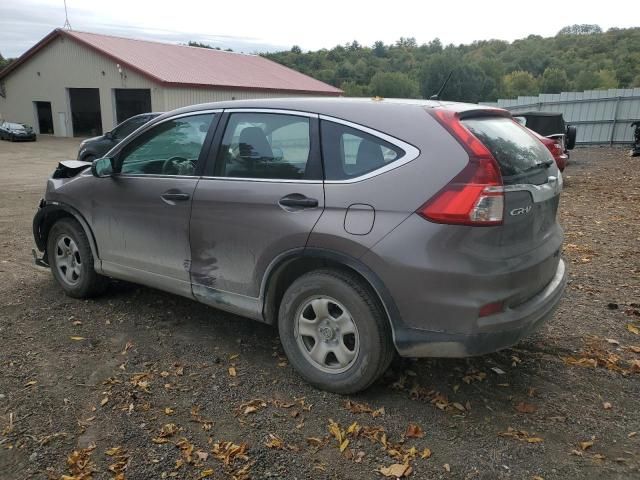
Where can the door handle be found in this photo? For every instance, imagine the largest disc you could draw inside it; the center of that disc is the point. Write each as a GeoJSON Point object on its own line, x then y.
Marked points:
{"type": "Point", "coordinates": [175, 196]}
{"type": "Point", "coordinates": [297, 200]}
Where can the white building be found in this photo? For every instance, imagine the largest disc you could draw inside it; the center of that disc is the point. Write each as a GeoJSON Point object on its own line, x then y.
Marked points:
{"type": "Point", "coordinates": [82, 84]}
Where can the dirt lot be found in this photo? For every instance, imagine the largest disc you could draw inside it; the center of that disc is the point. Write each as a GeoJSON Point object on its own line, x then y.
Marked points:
{"type": "Point", "coordinates": [146, 385]}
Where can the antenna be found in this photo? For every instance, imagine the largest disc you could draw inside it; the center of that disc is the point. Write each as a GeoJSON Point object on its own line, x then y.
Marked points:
{"type": "Point", "coordinates": [66, 25]}
{"type": "Point", "coordinates": [437, 95]}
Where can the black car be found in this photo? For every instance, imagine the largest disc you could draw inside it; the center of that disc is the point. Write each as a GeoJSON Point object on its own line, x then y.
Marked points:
{"type": "Point", "coordinates": [96, 147]}
{"type": "Point", "coordinates": [16, 131]}
{"type": "Point", "coordinates": [551, 125]}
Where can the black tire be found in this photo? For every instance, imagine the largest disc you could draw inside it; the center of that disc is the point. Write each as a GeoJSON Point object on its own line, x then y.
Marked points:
{"type": "Point", "coordinates": [571, 137]}
{"type": "Point", "coordinates": [376, 349]}
{"type": "Point", "coordinates": [88, 283]}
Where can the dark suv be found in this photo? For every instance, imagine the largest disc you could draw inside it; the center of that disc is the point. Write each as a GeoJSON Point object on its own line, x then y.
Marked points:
{"type": "Point", "coordinates": [96, 147]}
{"type": "Point", "coordinates": [361, 228]}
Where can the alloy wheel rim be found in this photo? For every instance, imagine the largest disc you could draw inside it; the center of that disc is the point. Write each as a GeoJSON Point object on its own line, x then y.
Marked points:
{"type": "Point", "coordinates": [327, 335]}
{"type": "Point", "coordinates": [67, 260]}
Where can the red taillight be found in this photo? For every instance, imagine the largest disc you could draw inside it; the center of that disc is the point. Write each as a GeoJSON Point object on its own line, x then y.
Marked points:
{"type": "Point", "coordinates": [491, 309]}
{"type": "Point", "coordinates": [474, 196]}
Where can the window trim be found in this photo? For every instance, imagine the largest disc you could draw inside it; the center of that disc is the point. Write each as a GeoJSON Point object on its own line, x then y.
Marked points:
{"type": "Point", "coordinates": [314, 148]}
{"type": "Point", "coordinates": [204, 152]}
{"type": "Point", "coordinates": [410, 152]}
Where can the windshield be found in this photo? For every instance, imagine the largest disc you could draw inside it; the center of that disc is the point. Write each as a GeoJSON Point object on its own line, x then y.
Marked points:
{"type": "Point", "coordinates": [15, 126]}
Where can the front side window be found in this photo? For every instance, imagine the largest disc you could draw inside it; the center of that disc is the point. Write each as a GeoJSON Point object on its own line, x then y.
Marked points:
{"type": "Point", "coordinates": [349, 153]}
{"type": "Point", "coordinates": [265, 145]}
{"type": "Point", "coordinates": [170, 148]}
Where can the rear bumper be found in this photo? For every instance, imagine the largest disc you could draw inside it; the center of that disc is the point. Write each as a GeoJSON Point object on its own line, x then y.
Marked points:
{"type": "Point", "coordinates": [518, 323]}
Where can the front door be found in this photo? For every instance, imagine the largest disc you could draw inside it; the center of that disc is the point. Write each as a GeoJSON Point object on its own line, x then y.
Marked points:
{"type": "Point", "coordinates": [141, 215]}
{"type": "Point", "coordinates": [261, 199]}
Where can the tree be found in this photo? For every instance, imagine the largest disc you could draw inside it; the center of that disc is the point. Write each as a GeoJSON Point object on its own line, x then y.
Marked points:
{"type": "Point", "coordinates": [5, 61]}
{"type": "Point", "coordinates": [606, 79]}
{"type": "Point", "coordinates": [199, 44]}
{"type": "Point", "coordinates": [580, 29]}
{"type": "Point", "coordinates": [554, 80]}
{"type": "Point", "coordinates": [296, 49]}
{"type": "Point", "coordinates": [352, 89]}
{"type": "Point", "coordinates": [379, 49]}
{"type": "Point", "coordinates": [586, 80]}
{"type": "Point", "coordinates": [393, 85]}
{"type": "Point", "coordinates": [520, 83]}
{"type": "Point", "coordinates": [483, 70]}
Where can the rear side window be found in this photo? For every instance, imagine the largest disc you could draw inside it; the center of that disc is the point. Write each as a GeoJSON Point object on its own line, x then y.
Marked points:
{"type": "Point", "coordinates": [516, 151]}
{"type": "Point", "coordinates": [349, 153]}
{"type": "Point", "coordinates": [265, 145]}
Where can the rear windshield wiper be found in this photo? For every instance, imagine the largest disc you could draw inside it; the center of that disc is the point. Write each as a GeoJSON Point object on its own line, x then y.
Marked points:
{"type": "Point", "coordinates": [538, 165]}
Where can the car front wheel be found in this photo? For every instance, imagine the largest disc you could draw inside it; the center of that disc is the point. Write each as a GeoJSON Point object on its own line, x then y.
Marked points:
{"type": "Point", "coordinates": [71, 260]}
{"type": "Point", "coordinates": [334, 331]}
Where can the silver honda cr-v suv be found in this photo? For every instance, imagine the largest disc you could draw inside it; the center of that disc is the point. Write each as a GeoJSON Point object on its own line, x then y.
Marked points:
{"type": "Point", "coordinates": [360, 227]}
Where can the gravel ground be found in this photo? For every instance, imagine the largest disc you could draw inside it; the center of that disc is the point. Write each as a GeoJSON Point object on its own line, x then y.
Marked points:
{"type": "Point", "coordinates": [146, 385]}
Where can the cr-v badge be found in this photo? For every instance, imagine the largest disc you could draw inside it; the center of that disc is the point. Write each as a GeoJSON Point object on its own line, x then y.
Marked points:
{"type": "Point", "coordinates": [520, 211]}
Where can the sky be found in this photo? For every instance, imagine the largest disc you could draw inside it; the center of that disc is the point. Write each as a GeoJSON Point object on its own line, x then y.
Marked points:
{"type": "Point", "coordinates": [257, 25]}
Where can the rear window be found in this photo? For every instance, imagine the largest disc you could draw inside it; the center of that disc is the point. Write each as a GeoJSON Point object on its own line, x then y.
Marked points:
{"type": "Point", "coordinates": [517, 152]}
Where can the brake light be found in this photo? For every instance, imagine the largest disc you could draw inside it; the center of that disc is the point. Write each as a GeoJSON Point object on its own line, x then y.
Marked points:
{"type": "Point", "coordinates": [491, 309]}
{"type": "Point", "coordinates": [475, 195]}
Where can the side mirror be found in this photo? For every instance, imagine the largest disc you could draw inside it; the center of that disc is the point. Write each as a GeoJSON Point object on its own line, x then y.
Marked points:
{"type": "Point", "coordinates": [102, 167]}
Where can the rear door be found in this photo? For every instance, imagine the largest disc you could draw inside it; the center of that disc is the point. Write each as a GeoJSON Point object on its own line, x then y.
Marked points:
{"type": "Point", "coordinates": [260, 197]}
{"type": "Point", "coordinates": [532, 184]}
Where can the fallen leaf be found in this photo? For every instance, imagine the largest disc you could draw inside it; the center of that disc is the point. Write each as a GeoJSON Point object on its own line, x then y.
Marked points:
{"type": "Point", "coordinates": [169, 411]}
{"type": "Point", "coordinates": [633, 328]}
{"type": "Point", "coordinates": [127, 347]}
{"type": "Point", "coordinates": [76, 338]}
{"type": "Point", "coordinates": [414, 431]}
{"type": "Point", "coordinates": [612, 341]}
{"type": "Point", "coordinates": [497, 370]}
{"type": "Point", "coordinates": [607, 405]}
{"type": "Point", "coordinates": [206, 473]}
{"type": "Point", "coordinates": [426, 453]}
{"type": "Point", "coordinates": [634, 348]}
{"type": "Point", "coordinates": [274, 442]}
{"type": "Point", "coordinates": [104, 401]}
{"type": "Point", "coordinates": [113, 451]}
{"type": "Point", "coordinates": [315, 441]}
{"type": "Point", "coordinates": [232, 371]}
{"type": "Point", "coordinates": [32, 382]}
{"type": "Point", "coordinates": [632, 434]}
{"type": "Point", "coordinates": [524, 407]}
{"type": "Point", "coordinates": [344, 445]}
{"type": "Point", "coordinates": [458, 406]}
{"type": "Point", "coordinates": [585, 445]}
{"type": "Point", "coordinates": [397, 470]}
{"type": "Point", "coordinates": [447, 467]}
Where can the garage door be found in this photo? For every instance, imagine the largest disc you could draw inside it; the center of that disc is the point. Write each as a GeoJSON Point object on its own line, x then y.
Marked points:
{"type": "Point", "coordinates": [131, 101]}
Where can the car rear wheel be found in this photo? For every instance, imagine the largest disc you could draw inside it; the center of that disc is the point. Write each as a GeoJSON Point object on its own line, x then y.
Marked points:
{"type": "Point", "coordinates": [334, 331]}
{"type": "Point", "coordinates": [71, 260]}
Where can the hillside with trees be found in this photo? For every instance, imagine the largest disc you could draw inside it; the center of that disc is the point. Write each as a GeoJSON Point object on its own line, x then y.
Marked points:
{"type": "Point", "coordinates": [579, 57]}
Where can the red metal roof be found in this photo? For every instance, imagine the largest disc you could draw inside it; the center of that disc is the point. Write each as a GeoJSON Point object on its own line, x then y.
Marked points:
{"type": "Point", "coordinates": [183, 66]}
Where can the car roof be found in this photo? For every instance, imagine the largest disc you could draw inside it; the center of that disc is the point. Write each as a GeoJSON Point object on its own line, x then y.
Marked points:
{"type": "Point", "coordinates": [393, 116]}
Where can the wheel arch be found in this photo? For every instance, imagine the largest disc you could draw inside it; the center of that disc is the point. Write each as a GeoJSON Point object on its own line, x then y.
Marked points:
{"type": "Point", "coordinates": [290, 265]}
{"type": "Point", "coordinates": [48, 215]}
